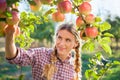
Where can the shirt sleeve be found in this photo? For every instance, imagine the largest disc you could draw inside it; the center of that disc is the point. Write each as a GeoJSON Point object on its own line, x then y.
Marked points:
{"type": "Point", "coordinates": [27, 57]}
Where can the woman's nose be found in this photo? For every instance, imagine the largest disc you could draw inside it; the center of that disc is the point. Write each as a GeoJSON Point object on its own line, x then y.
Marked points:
{"type": "Point", "coordinates": [62, 42]}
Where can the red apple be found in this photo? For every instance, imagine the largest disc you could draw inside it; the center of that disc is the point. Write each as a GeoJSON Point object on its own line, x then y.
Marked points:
{"type": "Point", "coordinates": [14, 19]}
{"type": "Point", "coordinates": [35, 7]}
{"type": "Point", "coordinates": [79, 22]}
{"type": "Point", "coordinates": [58, 16]}
{"type": "Point", "coordinates": [3, 6]}
{"type": "Point", "coordinates": [90, 18]}
{"type": "Point", "coordinates": [65, 6]}
{"type": "Point", "coordinates": [46, 1]}
{"type": "Point", "coordinates": [85, 8]}
{"type": "Point", "coordinates": [91, 32]}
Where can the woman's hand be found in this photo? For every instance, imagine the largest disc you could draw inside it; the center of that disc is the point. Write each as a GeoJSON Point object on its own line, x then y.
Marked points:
{"type": "Point", "coordinates": [12, 30]}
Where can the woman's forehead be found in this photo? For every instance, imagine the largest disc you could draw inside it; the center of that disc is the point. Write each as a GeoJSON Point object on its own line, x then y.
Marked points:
{"type": "Point", "coordinates": [65, 34]}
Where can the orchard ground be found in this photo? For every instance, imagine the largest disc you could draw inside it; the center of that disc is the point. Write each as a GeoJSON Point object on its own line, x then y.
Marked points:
{"type": "Point", "coordinates": [13, 72]}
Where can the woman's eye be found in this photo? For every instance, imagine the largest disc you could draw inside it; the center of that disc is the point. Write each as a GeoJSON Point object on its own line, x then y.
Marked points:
{"type": "Point", "coordinates": [59, 38]}
{"type": "Point", "coordinates": [68, 40]}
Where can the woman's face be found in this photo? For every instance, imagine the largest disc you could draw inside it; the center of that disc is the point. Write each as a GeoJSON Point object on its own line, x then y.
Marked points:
{"type": "Point", "coordinates": [65, 41]}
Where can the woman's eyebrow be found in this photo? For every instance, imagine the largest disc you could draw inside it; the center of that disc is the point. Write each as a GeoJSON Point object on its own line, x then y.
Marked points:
{"type": "Point", "coordinates": [59, 36]}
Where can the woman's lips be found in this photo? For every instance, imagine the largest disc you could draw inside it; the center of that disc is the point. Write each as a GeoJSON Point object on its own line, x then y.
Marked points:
{"type": "Point", "coordinates": [61, 48]}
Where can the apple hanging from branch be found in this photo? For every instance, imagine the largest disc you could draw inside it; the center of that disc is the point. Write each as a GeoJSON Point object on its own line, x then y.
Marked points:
{"type": "Point", "coordinates": [3, 6]}
{"type": "Point", "coordinates": [58, 16]}
{"type": "Point", "coordinates": [79, 22]}
{"type": "Point", "coordinates": [91, 32]}
{"type": "Point", "coordinates": [14, 19]}
{"type": "Point", "coordinates": [65, 6]}
{"type": "Point", "coordinates": [35, 5]}
{"type": "Point", "coordinates": [90, 18]}
{"type": "Point", "coordinates": [85, 8]}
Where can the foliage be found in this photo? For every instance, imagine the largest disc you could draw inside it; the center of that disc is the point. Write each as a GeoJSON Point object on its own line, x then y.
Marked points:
{"type": "Point", "coordinates": [27, 25]}
{"type": "Point", "coordinates": [115, 30]}
{"type": "Point", "coordinates": [44, 31]}
{"type": "Point", "coordinates": [115, 74]}
{"type": "Point", "coordinates": [115, 23]}
{"type": "Point", "coordinates": [99, 66]}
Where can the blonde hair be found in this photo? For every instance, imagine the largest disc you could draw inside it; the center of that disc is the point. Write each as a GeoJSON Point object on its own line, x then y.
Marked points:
{"type": "Point", "coordinates": [50, 69]}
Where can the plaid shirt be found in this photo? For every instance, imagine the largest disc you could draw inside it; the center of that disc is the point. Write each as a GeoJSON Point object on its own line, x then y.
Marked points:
{"type": "Point", "coordinates": [38, 57]}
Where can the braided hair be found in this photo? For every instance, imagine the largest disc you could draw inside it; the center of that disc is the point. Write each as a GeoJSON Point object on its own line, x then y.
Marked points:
{"type": "Point", "coordinates": [50, 69]}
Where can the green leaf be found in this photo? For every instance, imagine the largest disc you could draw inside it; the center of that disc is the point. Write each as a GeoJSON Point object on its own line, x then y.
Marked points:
{"type": "Point", "coordinates": [104, 26]}
{"type": "Point", "coordinates": [116, 62]}
{"type": "Point", "coordinates": [8, 14]}
{"type": "Point", "coordinates": [98, 19]}
{"type": "Point", "coordinates": [107, 48]}
{"type": "Point", "coordinates": [105, 40]}
{"type": "Point", "coordinates": [50, 11]}
{"type": "Point", "coordinates": [31, 2]}
{"type": "Point", "coordinates": [98, 55]}
{"type": "Point", "coordinates": [10, 2]}
{"type": "Point", "coordinates": [77, 2]}
{"type": "Point", "coordinates": [88, 73]}
{"type": "Point", "coordinates": [108, 35]}
{"type": "Point", "coordinates": [88, 46]}
{"type": "Point", "coordinates": [21, 77]}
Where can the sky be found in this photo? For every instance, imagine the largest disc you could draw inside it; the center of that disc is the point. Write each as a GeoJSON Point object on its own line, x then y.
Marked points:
{"type": "Point", "coordinates": [103, 7]}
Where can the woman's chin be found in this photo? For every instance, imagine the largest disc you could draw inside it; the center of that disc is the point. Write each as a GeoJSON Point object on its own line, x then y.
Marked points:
{"type": "Point", "coordinates": [61, 52]}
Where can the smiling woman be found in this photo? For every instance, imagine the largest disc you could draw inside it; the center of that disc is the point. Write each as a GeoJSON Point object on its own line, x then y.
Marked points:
{"type": "Point", "coordinates": [49, 63]}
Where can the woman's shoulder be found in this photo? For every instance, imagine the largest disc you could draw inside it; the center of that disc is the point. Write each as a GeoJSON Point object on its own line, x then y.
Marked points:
{"type": "Point", "coordinates": [43, 50]}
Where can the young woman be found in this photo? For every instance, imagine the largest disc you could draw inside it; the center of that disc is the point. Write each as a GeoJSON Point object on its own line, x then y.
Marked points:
{"type": "Point", "coordinates": [49, 63]}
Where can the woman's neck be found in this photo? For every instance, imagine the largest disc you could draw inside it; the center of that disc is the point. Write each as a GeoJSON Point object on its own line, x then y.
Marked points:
{"type": "Point", "coordinates": [62, 57]}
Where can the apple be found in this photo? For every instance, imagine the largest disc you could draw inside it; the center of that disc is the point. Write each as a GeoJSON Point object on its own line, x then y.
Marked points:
{"type": "Point", "coordinates": [3, 6]}
{"type": "Point", "coordinates": [65, 6]}
{"type": "Point", "coordinates": [14, 19]}
{"type": "Point", "coordinates": [90, 18]}
{"type": "Point", "coordinates": [58, 16]}
{"type": "Point", "coordinates": [36, 6]}
{"type": "Point", "coordinates": [79, 22]}
{"type": "Point", "coordinates": [46, 1]}
{"type": "Point", "coordinates": [85, 8]}
{"type": "Point", "coordinates": [91, 32]}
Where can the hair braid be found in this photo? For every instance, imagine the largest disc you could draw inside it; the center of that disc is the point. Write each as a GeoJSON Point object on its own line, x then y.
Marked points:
{"type": "Point", "coordinates": [50, 69]}
{"type": "Point", "coordinates": [77, 62]}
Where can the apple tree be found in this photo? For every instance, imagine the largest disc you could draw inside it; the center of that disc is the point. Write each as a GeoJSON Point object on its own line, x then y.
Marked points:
{"type": "Point", "coordinates": [93, 31]}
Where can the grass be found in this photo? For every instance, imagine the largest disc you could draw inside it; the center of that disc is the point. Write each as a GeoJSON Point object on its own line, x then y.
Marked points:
{"type": "Point", "coordinates": [10, 71]}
